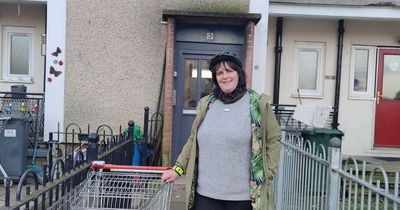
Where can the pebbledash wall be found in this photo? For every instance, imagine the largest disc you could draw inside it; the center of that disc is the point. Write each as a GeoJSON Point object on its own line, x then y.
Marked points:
{"type": "Point", "coordinates": [115, 54]}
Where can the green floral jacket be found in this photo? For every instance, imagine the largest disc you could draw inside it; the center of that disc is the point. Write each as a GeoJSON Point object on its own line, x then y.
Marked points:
{"type": "Point", "coordinates": [266, 146]}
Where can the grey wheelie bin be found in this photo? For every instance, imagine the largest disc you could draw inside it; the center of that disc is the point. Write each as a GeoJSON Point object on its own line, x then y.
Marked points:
{"type": "Point", "coordinates": [13, 145]}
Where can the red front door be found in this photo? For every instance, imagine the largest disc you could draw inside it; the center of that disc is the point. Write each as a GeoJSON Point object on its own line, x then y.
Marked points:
{"type": "Point", "coordinates": [387, 118]}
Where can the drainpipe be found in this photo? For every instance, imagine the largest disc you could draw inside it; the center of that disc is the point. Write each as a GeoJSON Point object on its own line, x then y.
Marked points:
{"type": "Point", "coordinates": [278, 55]}
{"type": "Point", "coordinates": [338, 72]}
{"type": "Point", "coordinates": [44, 57]}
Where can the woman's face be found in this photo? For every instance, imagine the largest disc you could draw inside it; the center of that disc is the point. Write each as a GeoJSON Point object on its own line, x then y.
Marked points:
{"type": "Point", "coordinates": [227, 78]}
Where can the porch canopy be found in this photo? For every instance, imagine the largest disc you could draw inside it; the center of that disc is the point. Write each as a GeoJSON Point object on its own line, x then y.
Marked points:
{"type": "Point", "coordinates": [211, 17]}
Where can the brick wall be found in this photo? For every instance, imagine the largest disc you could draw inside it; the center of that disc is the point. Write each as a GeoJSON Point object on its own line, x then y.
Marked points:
{"type": "Point", "coordinates": [168, 92]}
{"type": "Point", "coordinates": [248, 67]}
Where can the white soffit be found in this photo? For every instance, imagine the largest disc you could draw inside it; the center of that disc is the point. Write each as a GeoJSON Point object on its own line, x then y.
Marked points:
{"type": "Point", "coordinates": [23, 1]}
{"type": "Point", "coordinates": [334, 11]}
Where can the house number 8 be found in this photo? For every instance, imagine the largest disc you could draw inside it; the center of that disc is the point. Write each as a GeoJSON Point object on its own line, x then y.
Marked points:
{"type": "Point", "coordinates": [210, 36]}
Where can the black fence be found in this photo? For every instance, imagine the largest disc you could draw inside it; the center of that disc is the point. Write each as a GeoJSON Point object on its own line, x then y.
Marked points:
{"type": "Point", "coordinates": [28, 106]}
{"type": "Point", "coordinates": [70, 153]}
{"type": "Point", "coordinates": [70, 164]}
{"type": "Point", "coordinates": [152, 138]}
{"type": "Point", "coordinates": [284, 113]}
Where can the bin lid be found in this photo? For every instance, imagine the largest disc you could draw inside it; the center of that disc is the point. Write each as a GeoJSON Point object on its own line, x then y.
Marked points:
{"type": "Point", "coordinates": [316, 131]}
{"type": "Point", "coordinates": [14, 117]}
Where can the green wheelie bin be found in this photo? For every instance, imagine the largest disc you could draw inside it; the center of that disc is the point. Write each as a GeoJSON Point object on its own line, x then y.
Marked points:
{"type": "Point", "coordinates": [321, 135]}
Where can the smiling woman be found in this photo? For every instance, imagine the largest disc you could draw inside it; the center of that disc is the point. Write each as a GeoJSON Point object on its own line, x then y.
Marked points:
{"type": "Point", "coordinates": [240, 123]}
{"type": "Point", "coordinates": [227, 78]}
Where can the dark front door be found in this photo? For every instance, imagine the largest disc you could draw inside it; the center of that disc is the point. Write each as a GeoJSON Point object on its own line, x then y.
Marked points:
{"type": "Point", "coordinates": [193, 81]}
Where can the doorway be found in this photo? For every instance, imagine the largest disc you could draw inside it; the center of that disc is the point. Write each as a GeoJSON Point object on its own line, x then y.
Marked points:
{"type": "Point", "coordinates": [192, 81]}
{"type": "Point", "coordinates": [387, 114]}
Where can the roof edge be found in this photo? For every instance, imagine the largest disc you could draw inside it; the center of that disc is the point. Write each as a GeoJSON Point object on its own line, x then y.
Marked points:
{"type": "Point", "coordinates": [383, 4]}
{"type": "Point", "coordinates": [214, 15]}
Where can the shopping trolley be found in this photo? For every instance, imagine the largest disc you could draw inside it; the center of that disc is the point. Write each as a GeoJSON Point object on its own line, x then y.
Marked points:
{"type": "Point", "coordinates": [121, 187]}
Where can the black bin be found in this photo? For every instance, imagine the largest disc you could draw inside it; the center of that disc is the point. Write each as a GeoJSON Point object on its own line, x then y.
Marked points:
{"type": "Point", "coordinates": [18, 91]}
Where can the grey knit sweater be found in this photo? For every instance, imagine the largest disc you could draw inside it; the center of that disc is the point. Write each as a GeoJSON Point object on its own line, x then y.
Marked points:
{"type": "Point", "coordinates": [224, 140]}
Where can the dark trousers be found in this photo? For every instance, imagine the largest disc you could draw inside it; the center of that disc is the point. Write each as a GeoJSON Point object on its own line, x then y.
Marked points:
{"type": "Point", "coordinates": [205, 203]}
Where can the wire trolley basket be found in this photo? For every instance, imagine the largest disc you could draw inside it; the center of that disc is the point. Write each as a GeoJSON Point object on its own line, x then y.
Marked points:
{"type": "Point", "coordinates": [123, 187]}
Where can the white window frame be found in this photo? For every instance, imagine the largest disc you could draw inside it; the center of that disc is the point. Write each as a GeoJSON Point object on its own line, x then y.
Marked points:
{"type": "Point", "coordinates": [318, 47]}
{"type": "Point", "coordinates": [7, 76]}
{"type": "Point", "coordinates": [369, 94]}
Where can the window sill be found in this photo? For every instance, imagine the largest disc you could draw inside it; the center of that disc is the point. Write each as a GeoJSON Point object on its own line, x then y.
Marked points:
{"type": "Point", "coordinates": [361, 95]}
{"type": "Point", "coordinates": [295, 95]}
{"type": "Point", "coordinates": [16, 81]}
{"type": "Point", "coordinates": [190, 111]}
{"type": "Point", "coordinates": [362, 98]}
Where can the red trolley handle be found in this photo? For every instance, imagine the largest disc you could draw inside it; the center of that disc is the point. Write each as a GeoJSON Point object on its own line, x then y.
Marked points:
{"type": "Point", "coordinates": [113, 167]}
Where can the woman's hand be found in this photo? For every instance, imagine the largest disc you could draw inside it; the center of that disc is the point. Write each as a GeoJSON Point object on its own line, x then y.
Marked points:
{"type": "Point", "coordinates": [169, 176]}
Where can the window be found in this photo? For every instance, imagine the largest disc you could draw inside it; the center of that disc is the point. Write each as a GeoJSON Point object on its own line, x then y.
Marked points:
{"type": "Point", "coordinates": [309, 61]}
{"type": "Point", "coordinates": [18, 52]}
{"type": "Point", "coordinates": [197, 84]}
{"type": "Point", "coordinates": [362, 72]}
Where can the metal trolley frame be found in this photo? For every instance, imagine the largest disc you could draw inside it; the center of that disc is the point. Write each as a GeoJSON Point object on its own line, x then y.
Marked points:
{"type": "Point", "coordinates": [120, 187]}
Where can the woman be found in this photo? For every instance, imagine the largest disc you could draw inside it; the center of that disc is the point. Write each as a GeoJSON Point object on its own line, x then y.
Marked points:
{"type": "Point", "coordinates": [232, 153]}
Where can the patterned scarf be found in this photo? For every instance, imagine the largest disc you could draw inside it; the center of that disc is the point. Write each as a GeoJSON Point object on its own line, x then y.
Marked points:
{"type": "Point", "coordinates": [229, 98]}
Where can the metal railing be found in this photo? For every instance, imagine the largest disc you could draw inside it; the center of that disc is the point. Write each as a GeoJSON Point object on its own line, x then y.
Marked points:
{"type": "Point", "coordinates": [368, 188]}
{"type": "Point", "coordinates": [152, 137]}
{"type": "Point", "coordinates": [3, 173]}
{"type": "Point", "coordinates": [59, 179]}
{"type": "Point", "coordinates": [7, 184]}
{"type": "Point", "coordinates": [25, 105]}
{"type": "Point", "coordinates": [311, 176]}
{"type": "Point", "coordinates": [284, 113]}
